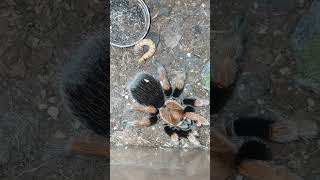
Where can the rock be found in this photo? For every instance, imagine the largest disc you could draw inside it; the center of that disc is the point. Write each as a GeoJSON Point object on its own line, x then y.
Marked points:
{"type": "Point", "coordinates": [311, 103]}
{"type": "Point", "coordinates": [32, 41]}
{"type": "Point", "coordinates": [52, 100]}
{"type": "Point", "coordinates": [53, 112]}
{"type": "Point", "coordinates": [43, 79]}
{"type": "Point", "coordinates": [43, 93]}
{"type": "Point", "coordinates": [59, 135]}
{"type": "Point", "coordinates": [42, 106]}
{"type": "Point", "coordinates": [76, 124]}
{"type": "Point", "coordinates": [172, 39]}
{"type": "Point", "coordinates": [263, 29]}
{"type": "Point", "coordinates": [285, 71]}
{"type": "Point", "coordinates": [172, 33]}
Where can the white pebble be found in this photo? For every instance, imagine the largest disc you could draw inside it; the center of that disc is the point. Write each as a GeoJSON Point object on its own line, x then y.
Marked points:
{"type": "Point", "coordinates": [52, 100]}
{"type": "Point", "coordinates": [59, 135]}
{"type": "Point", "coordinates": [53, 112]}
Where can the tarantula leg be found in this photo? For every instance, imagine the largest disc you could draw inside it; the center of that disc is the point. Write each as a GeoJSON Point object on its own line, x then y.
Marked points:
{"type": "Point", "coordinates": [252, 126]}
{"type": "Point", "coordinates": [193, 139]}
{"type": "Point", "coordinates": [173, 134]}
{"type": "Point", "coordinates": [196, 117]}
{"type": "Point", "coordinates": [166, 86]}
{"type": "Point", "coordinates": [145, 109]}
{"type": "Point", "coordinates": [179, 84]}
{"type": "Point", "coordinates": [189, 109]}
{"type": "Point", "coordinates": [146, 122]}
{"type": "Point", "coordinates": [195, 102]}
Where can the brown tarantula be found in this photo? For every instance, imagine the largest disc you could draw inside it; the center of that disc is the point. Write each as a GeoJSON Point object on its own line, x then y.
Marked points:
{"type": "Point", "coordinates": [161, 101]}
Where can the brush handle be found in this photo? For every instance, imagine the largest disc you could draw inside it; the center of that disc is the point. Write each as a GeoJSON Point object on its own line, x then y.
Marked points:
{"type": "Point", "coordinates": [101, 150]}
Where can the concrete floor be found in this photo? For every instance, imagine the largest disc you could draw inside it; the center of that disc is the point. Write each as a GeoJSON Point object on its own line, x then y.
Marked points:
{"type": "Point", "coordinates": [157, 164]}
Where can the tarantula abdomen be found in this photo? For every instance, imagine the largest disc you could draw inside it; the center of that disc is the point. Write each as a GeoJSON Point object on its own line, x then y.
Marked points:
{"type": "Point", "coordinates": [146, 90]}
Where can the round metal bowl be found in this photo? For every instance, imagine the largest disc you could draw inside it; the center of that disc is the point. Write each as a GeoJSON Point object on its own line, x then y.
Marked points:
{"type": "Point", "coordinates": [129, 22]}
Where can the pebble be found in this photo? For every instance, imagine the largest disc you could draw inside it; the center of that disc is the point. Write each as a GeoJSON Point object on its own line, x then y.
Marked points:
{"type": "Point", "coordinates": [172, 39]}
{"type": "Point", "coordinates": [43, 93]}
{"type": "Point", "coordinates": [242, 87]}
{"type": "Point", "coordinates": [52, 100]}
{"type": "Point", "coordinates": [310, 102]}
{"type": "Point", "coordinates": [53, 112]}
{"type": "Point", "coordinates": [263, 29]}
{"type": "Point", "coordinates": [59, 135]}
{"type": "Point", "coordinates": [260, 102]}
{"type": "Point", "coordinates": [43, 79]}
{"type": "Point", "coordinates": [76, 124]}
{"type": "Point", "coordinates": [285, 71]}
{"type": "Point", "coordinates": [255, 5]}
{"type": "Point", "coordinates": [42, 106]}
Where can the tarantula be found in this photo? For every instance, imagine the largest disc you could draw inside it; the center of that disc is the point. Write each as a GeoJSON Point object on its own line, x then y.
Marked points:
{"type": "Point", "coordinates": [251, 159]}
{"type": "Point", "coordinates": [158, 99]}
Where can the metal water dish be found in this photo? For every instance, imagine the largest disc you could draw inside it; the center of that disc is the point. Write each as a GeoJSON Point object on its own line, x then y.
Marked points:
{"type": "Point", "coordinates": [129, 22]}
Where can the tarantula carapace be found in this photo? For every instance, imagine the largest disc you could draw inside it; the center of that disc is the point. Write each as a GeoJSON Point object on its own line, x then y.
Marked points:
{"type": "Point", "coordinates": [158, 99]}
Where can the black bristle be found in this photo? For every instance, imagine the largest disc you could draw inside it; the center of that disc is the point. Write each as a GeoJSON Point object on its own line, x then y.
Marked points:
{"type": "Point", "coordinates": [189, 109]}
{"type": "Point", "coordinates": [153, 119]}
{"type": "Point", "coordinates": [219, 97]}
{"type": "Point", "coordinates": [168, 92]}
{"type": "Point", "coordinates": [182, 133]}
{"type": "Point", "coordinates": [253, 150]}
{"type": "Point", "coordinates": [189, 101]}
{"type": "Point", "coordinates": [177, 92]}
{"type": "Point", "coordinates": [146, 90]}
{"type": "Point", "coordinates": [84, 85]}
{"type": "Point", "coordinates": [168, 130]}
{"type": "Point", "coordinates": [252, 126]}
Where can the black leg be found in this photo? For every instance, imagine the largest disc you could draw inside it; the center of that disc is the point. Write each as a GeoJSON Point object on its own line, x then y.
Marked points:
{"type": "Point", "coordinates": [179, 84]}
{"type": "Point", "coordinates": [189, 101]}
{"type": "Point", "coordinates": [177, 92]}
{"type": "Point", "coordinates": [189, 109]}
{"type": "Point", "coordinates": [182, 133]}
{"type": "Point", "coordinates": [166, 86]}
{"type": "Point", "coordinates": [147, 121]}
{"type": "Point", "coordinates": [219, 97]}
{"type": "Point", "coordinates": [252, 126]}
{"type": "Point", "coordinates": [169, 130]}
{"type": "Point", "coordinates": [172, 133]}
{"type": "Point", "coordinates": [195, 102]}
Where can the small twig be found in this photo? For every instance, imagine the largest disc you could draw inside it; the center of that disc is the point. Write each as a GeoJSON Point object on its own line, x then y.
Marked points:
{"type": "Point", "coordinates": [31, 170]}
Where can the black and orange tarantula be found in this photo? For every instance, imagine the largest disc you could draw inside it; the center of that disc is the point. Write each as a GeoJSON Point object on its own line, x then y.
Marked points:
{"type": "Point", "coordinates": [158, 99]}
